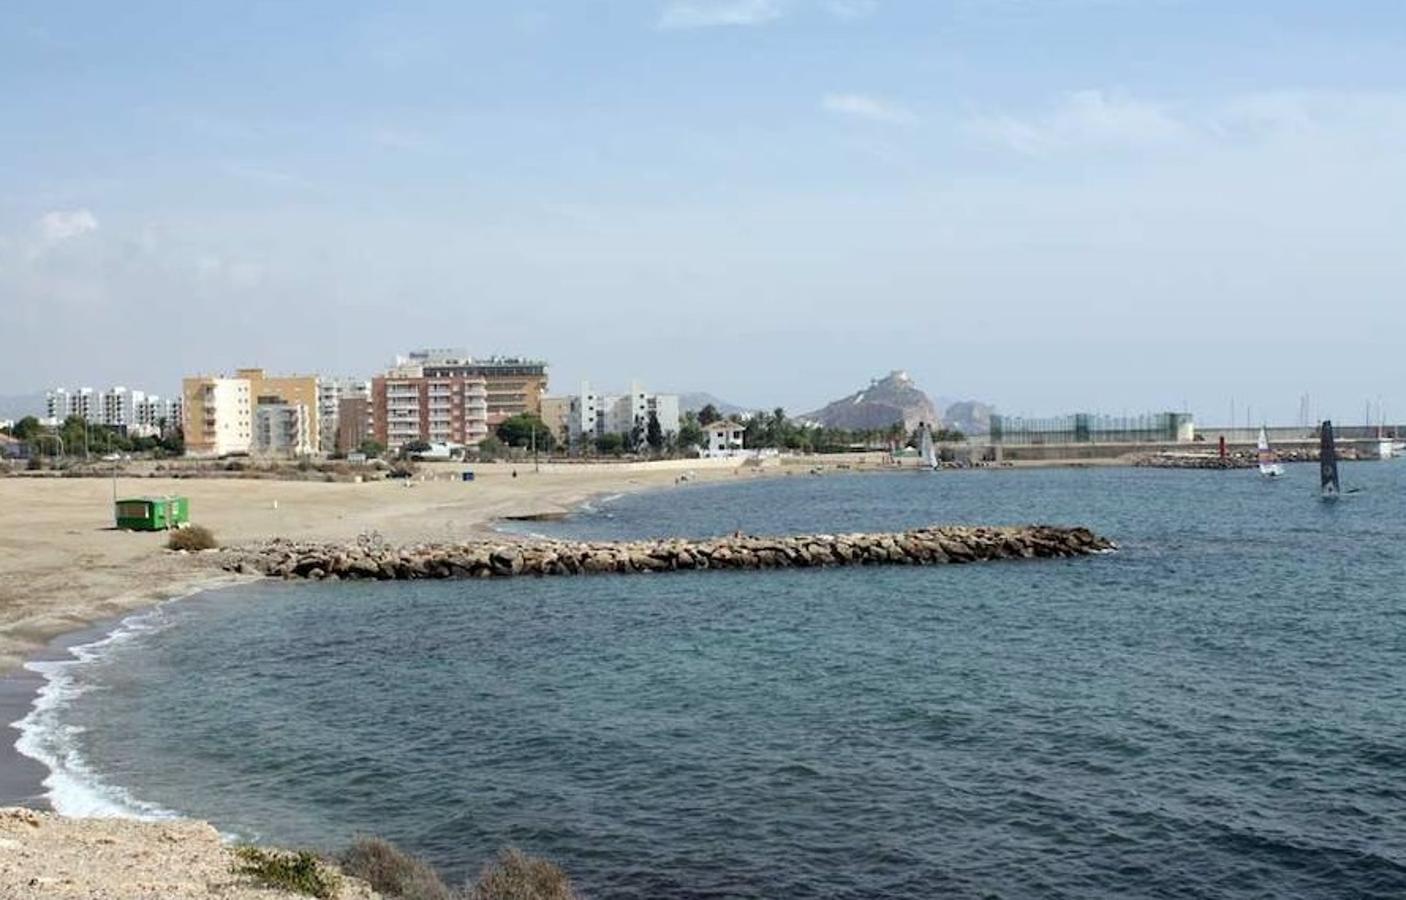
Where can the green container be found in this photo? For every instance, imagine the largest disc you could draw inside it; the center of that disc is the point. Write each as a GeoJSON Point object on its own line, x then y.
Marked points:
{"type": "Point", "coordinates": [152, 513]}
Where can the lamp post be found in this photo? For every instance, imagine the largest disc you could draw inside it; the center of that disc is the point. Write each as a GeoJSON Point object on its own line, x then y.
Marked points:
{"type": "Point", "coordinates": [52, 437]}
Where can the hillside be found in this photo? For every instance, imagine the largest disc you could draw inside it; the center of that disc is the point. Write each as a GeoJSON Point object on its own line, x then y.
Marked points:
{"type": "Point", "coordinates": [693, 401]}
{"type": "Point", "coordinates": [885, 401]}
{"type": "Point", "coordinates": [969, 417]}
{"type": "Point", "coordinates": [17, 406]}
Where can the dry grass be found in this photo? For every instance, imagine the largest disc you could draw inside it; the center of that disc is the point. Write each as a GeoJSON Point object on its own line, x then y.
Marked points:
{"type": "Point", "coordinates": [393, 872]}
{"type": "Point", "coordinates": [515, 875]}
{"type": "Point", "coordinates": [192, 537]}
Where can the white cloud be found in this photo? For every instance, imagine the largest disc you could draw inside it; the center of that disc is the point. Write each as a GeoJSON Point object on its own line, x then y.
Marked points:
{"type": "Point", "coordinates": [851, 9]}
{"type": "Point", "coordinates": [864, 106]}
{"type": "Point", "coordinates": [60, 225]}
{"type": "Point", "coordinates": [1104, 122]}
{"type": "Point", "coordinates": [1085, 119]}
{"type": "Point", "coordinates": [684, 14]}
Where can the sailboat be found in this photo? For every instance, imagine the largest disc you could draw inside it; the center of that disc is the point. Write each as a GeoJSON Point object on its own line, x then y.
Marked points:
{"type": "Point", "coordinates": [1268, 467]}
{"type": "Point", "coordinates": [926, 451]}
{"type": "Point", "coordinates": [1328, 463]}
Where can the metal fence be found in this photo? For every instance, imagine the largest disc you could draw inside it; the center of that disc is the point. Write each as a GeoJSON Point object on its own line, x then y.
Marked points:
{"type": "Point", "coordinates": [1089, 428]}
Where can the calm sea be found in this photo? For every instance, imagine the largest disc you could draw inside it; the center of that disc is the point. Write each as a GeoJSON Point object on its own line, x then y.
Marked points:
{"type": "Point", "coordinates": [1217, 710]}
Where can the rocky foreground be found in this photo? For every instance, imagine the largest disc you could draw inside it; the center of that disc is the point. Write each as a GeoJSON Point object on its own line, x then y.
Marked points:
{"type": "Point", "coordinates": [44, 855]}
{"type": "Point", "coordinates": [368, 559]}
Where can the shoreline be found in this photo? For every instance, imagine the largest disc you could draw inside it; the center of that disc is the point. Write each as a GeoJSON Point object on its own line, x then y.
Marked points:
{"type": "Point", "coordinates": [88, 619]}
{"type": "Point", "coordinates": [163, 578]}
{"type": "Point", "coordinates": [69, 569]}
{"type": "Point", "coordinates": [25, 699]}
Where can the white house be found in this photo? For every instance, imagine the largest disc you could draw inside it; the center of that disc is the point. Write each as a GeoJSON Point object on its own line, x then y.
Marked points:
{"type": "Point", "coordinates": [724, 439]}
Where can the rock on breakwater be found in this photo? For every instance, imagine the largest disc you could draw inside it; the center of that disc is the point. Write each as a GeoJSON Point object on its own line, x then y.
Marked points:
{"type": "Point", "coordinates": [1236, 459]}
{"type": "Point", "coordinates": [373, 560]}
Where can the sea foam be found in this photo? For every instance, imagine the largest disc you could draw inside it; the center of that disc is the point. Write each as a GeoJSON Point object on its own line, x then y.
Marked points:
{"type": "Point", "coordinates": [72, 787]}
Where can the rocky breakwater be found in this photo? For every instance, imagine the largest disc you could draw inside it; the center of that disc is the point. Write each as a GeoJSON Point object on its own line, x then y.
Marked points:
{"type": "Point", "coordinates": [1236, 459]}
{"type": "Point", "coordinates": [373, 560]}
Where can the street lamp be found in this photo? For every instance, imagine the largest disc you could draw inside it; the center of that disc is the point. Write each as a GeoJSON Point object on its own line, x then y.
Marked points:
{"type": "Point", "coordinates": [52, 437]}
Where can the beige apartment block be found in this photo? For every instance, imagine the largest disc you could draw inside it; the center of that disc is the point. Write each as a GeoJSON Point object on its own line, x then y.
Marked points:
{"type": "Point", "coordinates": [219, 412]}
{"type": "Point", "coordinates": [218, 415]}
{"type": "Point", "coordinates": [294, 390]}
{"type": "Point", "coordinates": [555, 415]}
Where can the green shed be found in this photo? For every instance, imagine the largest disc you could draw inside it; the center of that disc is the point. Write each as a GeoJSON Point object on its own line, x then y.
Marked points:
{"type": "Point", "coordinates": [152, 513]}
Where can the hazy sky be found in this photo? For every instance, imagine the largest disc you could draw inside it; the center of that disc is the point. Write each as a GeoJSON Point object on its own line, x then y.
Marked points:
{"type": "Point", "coordinates": [1070, 204]}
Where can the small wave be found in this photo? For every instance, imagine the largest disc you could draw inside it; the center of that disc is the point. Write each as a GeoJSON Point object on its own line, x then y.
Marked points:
{"type": "Point", "coordinates": [72, 787]}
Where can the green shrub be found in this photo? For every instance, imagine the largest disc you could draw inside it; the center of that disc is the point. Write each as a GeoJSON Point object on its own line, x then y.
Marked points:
{"type": "Point", "coordinates": [515, 875]}
{"type": "Point", "coordinates": [192, 537]}
{"type": "Point", "coordinates": [299, 872]}
{"type": "Point", "coordinates": [393, 872]}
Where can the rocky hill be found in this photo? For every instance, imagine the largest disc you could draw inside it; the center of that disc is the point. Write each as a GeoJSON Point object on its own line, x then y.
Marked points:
{"type": "Point", "coordinates": [693, 401]}
{"type": "Point", "coordinates": [885, 401]}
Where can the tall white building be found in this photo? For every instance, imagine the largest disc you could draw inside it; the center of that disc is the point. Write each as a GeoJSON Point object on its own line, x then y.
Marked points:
{"type": "Point", "coordinates": [591, 415]}
{"type": "Point", "coordinates": [55, 406]}
{"type": "Point", "coordinates": [135, 411]}
{"type": "Point", "coordinates": [118, 406]}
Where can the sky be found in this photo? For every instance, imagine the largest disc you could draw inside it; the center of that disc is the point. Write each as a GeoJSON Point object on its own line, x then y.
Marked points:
{"type": "Point", "coordinates": [1106, 205]}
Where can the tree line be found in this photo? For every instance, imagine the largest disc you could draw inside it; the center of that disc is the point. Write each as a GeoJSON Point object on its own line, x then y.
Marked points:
{"type": "Point", "coordinates": [774, 430]}
{"type": "Point", "coordinates": [76, 435]}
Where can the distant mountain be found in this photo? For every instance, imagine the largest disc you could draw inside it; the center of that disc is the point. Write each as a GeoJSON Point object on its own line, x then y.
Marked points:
{"type": "Point", "coordinates": [693, 401]}
{"type": "Point", "coordinates": [969, 417]}
{"type": "Point", "coordinates": [885, 401]}
{"type": "Point", "coordinates": [17, 406]}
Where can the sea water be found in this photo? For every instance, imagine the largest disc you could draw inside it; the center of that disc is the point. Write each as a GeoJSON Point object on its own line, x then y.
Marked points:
{"type": "Point", "coordinates": [1216, 710]}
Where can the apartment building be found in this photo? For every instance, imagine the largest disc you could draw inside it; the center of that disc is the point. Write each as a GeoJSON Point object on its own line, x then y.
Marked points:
{"type": "Point", "coordinates": [409, 404]}
{"type": "Point", "coordinates": [330, 394]}
{"type": "Point", "coordinates": [590, 415]}
{"type": "Point", "coordinates": [220, 412]}
{"type": "Point", "coordinates": [295, 390]}
{"type": "Point", "coordinates": [353, 423]}
{"type": "Point", "coordinates": [154, 415]}
{"type": "Point", "coordinates": [282, 429]}
{"type": "Point", "coordinates": [556, 412]}
{"type": "Point", "coordinates": [118, 406]}
{"type": "Point", "coordinates": [135, 412]}
{"type": "Point", "coordinates": [218, 415]}
{"type": "Point", "coordinates": [512, 385]}
{"type": "Point", "coordinates": [60, 403]}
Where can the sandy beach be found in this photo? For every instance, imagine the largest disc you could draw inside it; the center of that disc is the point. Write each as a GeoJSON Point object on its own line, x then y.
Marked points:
{"type": "Point", "coordinates": [66, 567]}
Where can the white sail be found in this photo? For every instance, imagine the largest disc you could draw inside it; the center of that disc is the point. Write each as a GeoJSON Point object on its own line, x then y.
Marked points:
{"type": "Point", "coordinates": [925, 446]}
{"type": "Point", "coordinates": [1268, 466]}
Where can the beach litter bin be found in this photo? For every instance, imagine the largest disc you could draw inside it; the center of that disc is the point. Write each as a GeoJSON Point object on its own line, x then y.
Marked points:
{"type": "Point", "coordinates": [467, 475]}
{"type": "Point", "coordinates": [152, 513]}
